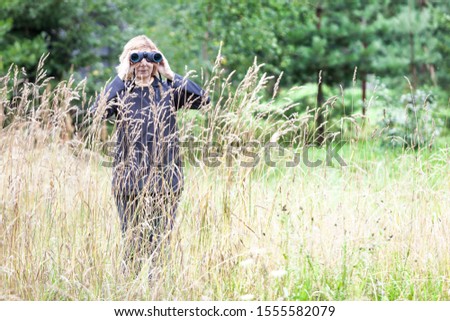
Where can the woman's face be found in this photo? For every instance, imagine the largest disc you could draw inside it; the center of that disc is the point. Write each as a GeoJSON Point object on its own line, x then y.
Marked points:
{"type": "Point", "coordinates": [143, 69]}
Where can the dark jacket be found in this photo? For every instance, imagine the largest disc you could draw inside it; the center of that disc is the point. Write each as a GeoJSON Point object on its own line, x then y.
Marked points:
{"type": "Point", "coordinates": [147, 148]}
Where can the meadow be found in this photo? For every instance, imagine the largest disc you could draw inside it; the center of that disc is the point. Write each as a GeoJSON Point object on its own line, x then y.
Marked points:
{"type": "Point", "coordinates": [375, 229]}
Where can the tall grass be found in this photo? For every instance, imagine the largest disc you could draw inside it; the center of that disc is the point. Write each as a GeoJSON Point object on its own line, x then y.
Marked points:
{"type": "Point", "coordinates": [376, 229]}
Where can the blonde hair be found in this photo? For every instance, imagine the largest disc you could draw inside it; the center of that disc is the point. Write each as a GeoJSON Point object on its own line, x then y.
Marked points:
{"type": "Point", "coordinates": [141, 42]}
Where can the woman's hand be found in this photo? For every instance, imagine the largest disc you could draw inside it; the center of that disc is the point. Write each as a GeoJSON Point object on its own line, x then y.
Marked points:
{"type": "Point", "coordinates": [164, 69]}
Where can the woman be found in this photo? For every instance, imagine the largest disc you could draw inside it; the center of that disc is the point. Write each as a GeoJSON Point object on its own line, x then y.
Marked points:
{"type": "Point", "coordinates": [147, 175]}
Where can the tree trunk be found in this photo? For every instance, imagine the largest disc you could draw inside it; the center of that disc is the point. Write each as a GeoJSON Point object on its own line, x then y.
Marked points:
{"type": "Point", "coordinates": [364, 86]}
{"type": "Point", "coordinates": [320, 126]}
{"type": "Point", "coordinates": [412, 63]}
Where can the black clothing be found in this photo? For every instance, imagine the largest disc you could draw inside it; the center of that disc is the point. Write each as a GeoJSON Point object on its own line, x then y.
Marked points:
{"type": "Point", "coordinates": [147, 149]}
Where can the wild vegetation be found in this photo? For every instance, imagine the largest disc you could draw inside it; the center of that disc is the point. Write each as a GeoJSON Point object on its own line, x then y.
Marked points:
{"type": "Point", "coordinates": [345, 130]}
{"type": "Point", "coordinates": [373, 229]}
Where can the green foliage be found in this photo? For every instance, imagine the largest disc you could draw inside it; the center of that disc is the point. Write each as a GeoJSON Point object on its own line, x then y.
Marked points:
{"type": "Point", "coordinates": [442, 38]}
{"type": "Point", "coordinates": [413, 124]}
{"type": "Point", "coordinates": [242, 31]}
{"type": "Point", "coordinates": [347, 42]}
{"type": "Point", "coordinates": [75, 33]}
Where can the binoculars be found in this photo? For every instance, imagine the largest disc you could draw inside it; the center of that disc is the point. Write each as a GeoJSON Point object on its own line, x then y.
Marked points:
{"type": "Point", "coordinates": [152, 56]}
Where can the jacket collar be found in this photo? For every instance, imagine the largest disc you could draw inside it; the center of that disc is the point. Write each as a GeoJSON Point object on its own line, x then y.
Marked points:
{"type": "Point", "coordinates": [155, 82]}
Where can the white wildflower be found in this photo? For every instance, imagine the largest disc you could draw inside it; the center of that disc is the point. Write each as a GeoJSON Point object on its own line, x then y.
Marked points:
{"type": "Point", "coordinates": [246, 263]}
{"type": "Point", "coordinates": [256, 251]}
{"type": "Point", "coordinates": [278, 273]}
{"type": "Point", "coordinates": [247, 297]}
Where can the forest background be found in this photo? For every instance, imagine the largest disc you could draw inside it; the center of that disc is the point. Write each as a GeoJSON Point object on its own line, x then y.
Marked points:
{"type": "Point", "coordinates": [358, 89]}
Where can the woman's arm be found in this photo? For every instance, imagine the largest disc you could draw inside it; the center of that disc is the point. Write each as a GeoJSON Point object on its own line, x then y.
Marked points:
{"type": "Point", "coordinates": [187, 93]}
{"type": "Point", "coordinates": [111, 92]}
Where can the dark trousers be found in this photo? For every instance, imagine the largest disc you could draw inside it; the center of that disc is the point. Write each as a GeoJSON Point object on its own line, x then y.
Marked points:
{"type": "Point", "coordinates": [146, 221]}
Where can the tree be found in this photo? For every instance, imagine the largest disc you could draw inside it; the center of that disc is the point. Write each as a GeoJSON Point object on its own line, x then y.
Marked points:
{"type": "Point", "coordinates": [75, 33]}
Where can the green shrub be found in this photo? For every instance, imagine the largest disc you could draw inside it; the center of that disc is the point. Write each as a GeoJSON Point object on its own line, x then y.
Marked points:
{"type": "Point", "coordinates": [413, 125]}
